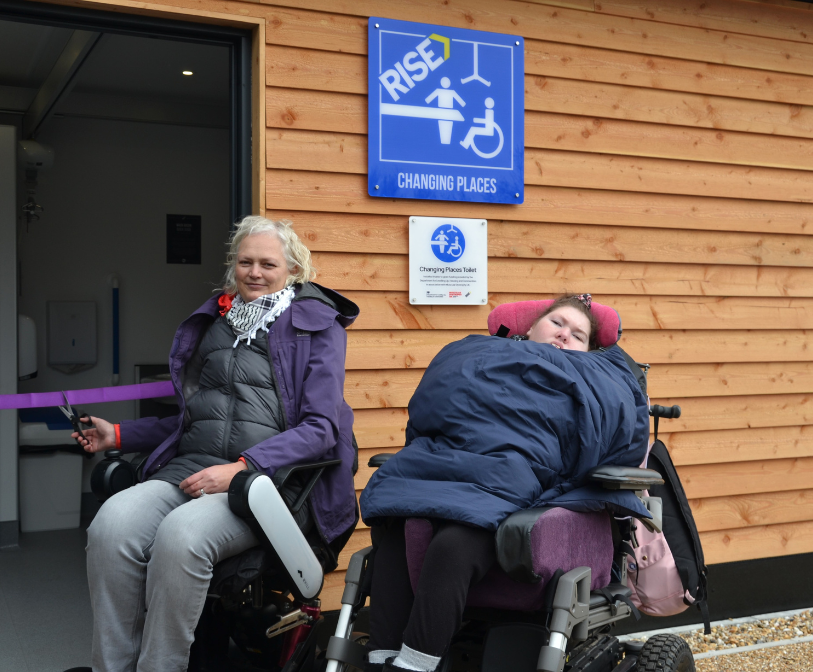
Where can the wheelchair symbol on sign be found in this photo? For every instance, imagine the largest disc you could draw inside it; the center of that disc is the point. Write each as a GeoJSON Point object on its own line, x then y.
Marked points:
{"type": "Point", "coordinates": [442, 248]}
{"type": "Point", "coordinates": [487, 129]}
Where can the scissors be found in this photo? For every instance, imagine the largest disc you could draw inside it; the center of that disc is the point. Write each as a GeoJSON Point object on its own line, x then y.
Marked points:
{"type": "Point", "coordinates": [77, 425]}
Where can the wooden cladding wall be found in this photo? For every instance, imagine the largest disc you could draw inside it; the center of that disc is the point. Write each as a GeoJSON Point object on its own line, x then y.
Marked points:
{"type": "Point", "coordinates": [668, 171]}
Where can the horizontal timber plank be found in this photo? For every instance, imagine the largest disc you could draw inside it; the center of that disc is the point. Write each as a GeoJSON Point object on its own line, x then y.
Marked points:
{"type": "Point", "coordinates": [554, 59]}
{"type": "Point", "coordinates": [614, 101]}
{"type": "Point", "coordinates": [316, 150]}
{"type": "Point", "coordinates": [719, 380]}
{"type": "Point", "coordinates": [380, 428]}
{"type": "Point", "coordinates": [380, 389]}
{"type": "Point", "coordinates": [347, 153]}
{"type": "Point", "coordinates": [307, 68]}
{"type": "Point", "coordinates": [339, 32]}
{"type": "Point", "coordinates": [686, 346]}
{"type": "Point", "coordinates": [347, 113]}
{"type": "Point", "coordinates": [587, 28]}
{"type": "Point", "coordinates": [798, 4]}
{"type": "Point", "coordinates": [401, 349]}
{"type": "Point", "coordinates": [617, 136]}
{"type": "Point", "coordinates": [322, 73]}
{"type": "Point", "coordinates": [286, 26]}
{"type": "Point", "coordinates": [737, 445]}
{"type": "Point", "coordinates": [782, 23]}
{"type": "Point", "coordinates": [340, 232]}
{"type": "Point", "coordinates": [709, 413]}
{"type": "Point", "coordinates": [315, 110]}
{"type": "Point", "coordinates": [738, 511]}
{"type": "Point", "coordinates": [332, 192]}
{"type": "Point", "coordinates": [387, 388]}
{"type": "Point", "coordinates": [743, 478]}
{"type": "Point", "coordinates": [415, 348]}
{"type": "Point", "coordinates": [385, 427]}
{"type": "Point", "coordinates": [392, 310]}
{"type": "Point", "coordinates": [639, 174]}
{"type": "Point", "coordinates": [764, 541]}
{"type": "Point", "coordinates": [317, 70]}
{"type": "Point", "coordinates": [346, 271]}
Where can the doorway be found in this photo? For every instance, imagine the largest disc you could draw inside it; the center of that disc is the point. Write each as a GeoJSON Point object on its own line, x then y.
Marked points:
{"type": "Point", "coordinates": [136, 162]}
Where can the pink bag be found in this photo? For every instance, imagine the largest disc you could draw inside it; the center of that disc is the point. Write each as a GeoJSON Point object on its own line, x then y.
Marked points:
{"type": "Point", "coordinates": [653, 576]}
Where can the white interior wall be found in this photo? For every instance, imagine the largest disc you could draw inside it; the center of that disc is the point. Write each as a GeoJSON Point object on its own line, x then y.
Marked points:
{"type": "Point", "coordinates": [8, 329]}
{"type": "Point", "coordinates": [105, 204]}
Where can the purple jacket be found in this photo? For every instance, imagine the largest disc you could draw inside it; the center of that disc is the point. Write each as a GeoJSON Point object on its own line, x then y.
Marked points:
{"type": "Point", "coordinates": [307, 346]}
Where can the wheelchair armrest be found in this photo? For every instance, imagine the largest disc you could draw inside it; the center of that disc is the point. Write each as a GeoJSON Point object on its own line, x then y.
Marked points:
{"type": "Point", "coordinates": [513, 542]}
{"type": "Point", "coordinates": [613, 477]}
{"type": "Point", "coordinates": [378, 460]}
{"type": "Point", "coordinates": [284, 473]}
{"type": "Point", "coordinates": [255, 498]}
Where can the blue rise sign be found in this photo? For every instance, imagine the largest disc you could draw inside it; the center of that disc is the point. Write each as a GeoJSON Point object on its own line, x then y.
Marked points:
{"type": "Point", "coordinates": [446, 113]}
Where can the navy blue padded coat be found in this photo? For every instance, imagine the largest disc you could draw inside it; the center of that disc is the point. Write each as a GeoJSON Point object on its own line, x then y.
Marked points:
{"type": "Point", "coordinates": [498, 425]}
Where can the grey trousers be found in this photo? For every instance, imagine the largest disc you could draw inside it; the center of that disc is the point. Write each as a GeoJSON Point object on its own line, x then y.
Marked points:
{"type": "Point", "coordinates": [151, 550]}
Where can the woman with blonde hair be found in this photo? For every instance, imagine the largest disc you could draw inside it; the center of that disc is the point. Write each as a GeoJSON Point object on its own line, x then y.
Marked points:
{"type": "Point", "coordinates": [258, 372]}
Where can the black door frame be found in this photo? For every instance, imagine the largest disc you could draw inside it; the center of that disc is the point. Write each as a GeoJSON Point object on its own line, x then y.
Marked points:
{"type": "Point", "coordinates": [237, 40]}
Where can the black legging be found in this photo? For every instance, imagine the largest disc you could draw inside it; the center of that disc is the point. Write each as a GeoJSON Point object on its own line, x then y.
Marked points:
{"type": "Point", "coordinates": [457, 558]}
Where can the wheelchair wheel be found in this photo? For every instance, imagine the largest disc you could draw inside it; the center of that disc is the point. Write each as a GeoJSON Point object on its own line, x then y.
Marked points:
{"type": "Point", "coordinates": [665, 653]}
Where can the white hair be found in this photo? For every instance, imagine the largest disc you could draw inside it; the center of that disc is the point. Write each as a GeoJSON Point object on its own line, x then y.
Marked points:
{"type": "Point", "coordinates": [297, 256]}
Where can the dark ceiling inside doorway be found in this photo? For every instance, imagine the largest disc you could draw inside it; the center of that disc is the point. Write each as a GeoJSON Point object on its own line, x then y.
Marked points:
{"type": "Point", "coordinates": [48, 71]}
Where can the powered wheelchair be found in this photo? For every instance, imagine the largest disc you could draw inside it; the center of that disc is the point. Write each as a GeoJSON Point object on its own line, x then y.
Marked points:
{"type": "Point", "coordinates": [544, 607]}
{"type": "Point", "coordinates": [266, 599]}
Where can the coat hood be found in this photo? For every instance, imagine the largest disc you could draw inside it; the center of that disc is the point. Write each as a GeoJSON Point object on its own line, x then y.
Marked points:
{"type": "Point", "coordinates": [315, 308]}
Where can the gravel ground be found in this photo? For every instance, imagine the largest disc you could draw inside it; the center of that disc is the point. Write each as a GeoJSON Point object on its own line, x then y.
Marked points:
{"type": "Point", "coordinates": [746, 634]}
{"type": "Point", "coordinates": [796, 657]}
{"type": "Point", "coordinates": [724, 636]}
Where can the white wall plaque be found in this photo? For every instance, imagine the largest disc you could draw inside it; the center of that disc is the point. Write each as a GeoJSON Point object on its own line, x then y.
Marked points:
{"type": "Point", "coordinates": [448, 261]}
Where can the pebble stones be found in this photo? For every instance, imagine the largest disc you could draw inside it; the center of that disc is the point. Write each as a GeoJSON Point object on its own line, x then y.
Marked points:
{"type": "Point", "coordinates": [794, 657]}
{"type": "Point", "coordinates": [746, 634]}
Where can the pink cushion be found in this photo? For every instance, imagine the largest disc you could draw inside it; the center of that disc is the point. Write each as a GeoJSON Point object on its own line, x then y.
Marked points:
{"type": "Point", "coordinates": [519, 317]}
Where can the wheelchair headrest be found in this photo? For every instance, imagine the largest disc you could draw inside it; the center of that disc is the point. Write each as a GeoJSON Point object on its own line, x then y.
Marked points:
{"type": "Point", "coordinates": [519, 317]}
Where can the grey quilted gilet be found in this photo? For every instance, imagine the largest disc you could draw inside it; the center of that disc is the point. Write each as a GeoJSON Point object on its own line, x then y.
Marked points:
{"type": "Point", "coordinates": [231, 402]}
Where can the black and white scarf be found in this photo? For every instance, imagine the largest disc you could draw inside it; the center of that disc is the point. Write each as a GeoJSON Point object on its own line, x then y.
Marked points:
{"type": "Point", "coordinates": [246, 319]}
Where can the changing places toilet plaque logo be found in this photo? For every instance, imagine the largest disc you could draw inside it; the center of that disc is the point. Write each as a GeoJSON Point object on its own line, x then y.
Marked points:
{"type": "Point", "coordinates": [448, 261]}
{"type": "Point", "coordinates": [446, 113]}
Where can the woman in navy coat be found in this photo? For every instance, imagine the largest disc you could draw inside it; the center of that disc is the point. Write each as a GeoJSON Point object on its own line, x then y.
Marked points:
{"type": "Point", "coordinates": [495, 427]}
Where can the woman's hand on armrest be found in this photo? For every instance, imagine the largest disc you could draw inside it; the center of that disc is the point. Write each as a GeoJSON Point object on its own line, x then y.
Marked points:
{"type": "Point", "coordinates": [212, 479]}
{"type": "Point", "coordinates": [101, 437]}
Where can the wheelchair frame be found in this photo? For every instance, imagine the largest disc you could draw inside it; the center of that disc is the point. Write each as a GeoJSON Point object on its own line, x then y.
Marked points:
{"type": "Point", "coordinates": [572, 636]}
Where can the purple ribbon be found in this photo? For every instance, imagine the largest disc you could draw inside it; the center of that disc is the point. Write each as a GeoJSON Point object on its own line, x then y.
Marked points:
{"type": "Point", "coordinates": [95, 395]}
